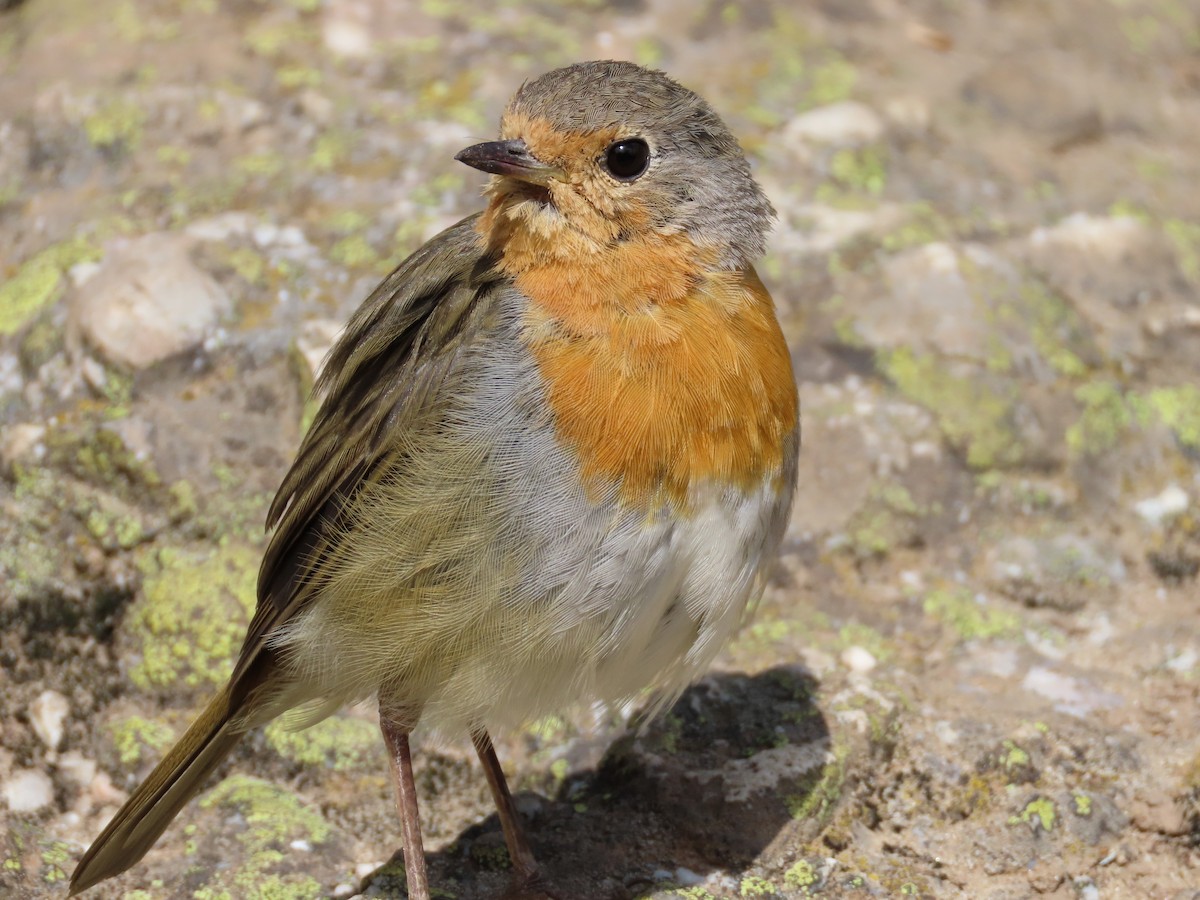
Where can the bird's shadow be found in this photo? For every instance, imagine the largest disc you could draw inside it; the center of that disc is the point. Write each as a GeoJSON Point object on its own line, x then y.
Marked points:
{"type": "Point", "coordinates": [706, 786]}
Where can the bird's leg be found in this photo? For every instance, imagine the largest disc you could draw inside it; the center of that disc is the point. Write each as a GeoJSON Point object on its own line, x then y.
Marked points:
{"type": "Point", "coordinates": [395, 735]}
{"type": "Point", "coordinates": [525, 868]}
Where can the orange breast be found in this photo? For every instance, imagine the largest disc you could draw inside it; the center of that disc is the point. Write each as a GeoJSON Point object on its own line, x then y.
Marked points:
{"type": "Point", "coordinates": [661, 375]}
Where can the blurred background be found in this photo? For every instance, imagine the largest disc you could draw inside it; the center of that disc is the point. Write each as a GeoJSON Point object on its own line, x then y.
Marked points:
{"type": "Point", "coordinates": [976, 671]}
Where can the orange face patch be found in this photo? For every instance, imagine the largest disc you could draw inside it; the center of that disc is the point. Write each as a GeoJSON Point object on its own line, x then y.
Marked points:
{"type": "Point", "coordinates": [661, 375]}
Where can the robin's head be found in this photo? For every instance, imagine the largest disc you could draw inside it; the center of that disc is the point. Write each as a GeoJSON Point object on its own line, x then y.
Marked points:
{"type": "Point", "coordinates": [610, 151]}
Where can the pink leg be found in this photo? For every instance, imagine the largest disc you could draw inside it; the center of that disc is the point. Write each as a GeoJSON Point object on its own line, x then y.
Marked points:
{"type": "Point", "coordinates": [396, 738]}
{"type": "Point", "coordinates": [525, 868]}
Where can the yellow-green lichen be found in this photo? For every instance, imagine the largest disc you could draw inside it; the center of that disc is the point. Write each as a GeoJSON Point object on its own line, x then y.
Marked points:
{"type": "Point", "coordinates": [1054, 328]}
{"type": "Point", "coordinates": [192, 616]}
{"type": "Point", "coordinates": [491, 857]}
{"type": "Point", "coordinates": [822, 788]}
{"type": "Point", "coordinates": [274, 819]}
{"type": "Point", "coordinates": [885, 519]}
{"type": "Point", "coordinates": [1108, 414]}
{"type": "Point", "coordinates": [1179, 409]}
{"type": "Point", "coordinates": [1083, 804]}
{"type": "Point", "coordinates": [549, 729]}
{"type": "Point", "coordinates": [753, 886]}
{"type": "Point", "coordinates": [260, 165]}
{"type": "Point", "coordinates": [971, 620]}
{"type": "Point", "coordinates": [297, 76]}
{"type": "Point", "coordinates": [330, 150]}
{"type": "Point", "coordinates": [1185, 236]}
{"type": "Point", "coordinates": [1104, 419]}
{"type": "Point", "coordinates": [353, 252]}
{"type": "Point", "coordinates": [1013, 757]}
{"type": "Point", "coordinates": [338, 742]}
{"type": "Point", "coordinates": [56, 856]}
{"type": "Point", "coordinates": [118, 121]}
{"type": "Point", "coordinates": [971, 414]}
{"type": "Point", "coordinates": [37, 282]}
{"type": "Point", "coordinates": [858, 634]}
{"type": "Point", "coordinates": [1038, 812]}
{"type": "Point", "coordinates": [132, 736]}
{"type": "Point", "coordinates": [863, 170]}
{"type": "Point", "coordinates": [802, 876]}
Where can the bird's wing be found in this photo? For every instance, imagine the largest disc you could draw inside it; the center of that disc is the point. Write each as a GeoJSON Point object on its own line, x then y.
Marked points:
{"type": "Point", "coordinates": [391, 360]}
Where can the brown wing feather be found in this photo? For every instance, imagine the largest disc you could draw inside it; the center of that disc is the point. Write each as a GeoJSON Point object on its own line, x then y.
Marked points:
{"type": "Point", "coordinates": [397, 348]}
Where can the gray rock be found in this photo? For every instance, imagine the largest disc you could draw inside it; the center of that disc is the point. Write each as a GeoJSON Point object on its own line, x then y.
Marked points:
{"type": "Point", "coordinates": [941, 312]}
{"type": "Point", "coordinates": [148, 302]}
{"type": "Point", "coordinates": [47, 714]}
{"type": "Point", "coordinates": [27, 790]}
{"type": "Point", "coordinates": [843, 124]}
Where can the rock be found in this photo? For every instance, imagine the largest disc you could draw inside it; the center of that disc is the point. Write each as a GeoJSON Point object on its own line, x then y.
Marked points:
{"type": "Point", "coordinates": [1170, 503]}
{"type": "Point", "coordinates": [839, 124]}
{"type": "Point", "coordinates": [27, 790]}
{"type": "Point", "coordinates": [77, 767]}
{"type": "Point", "coordinates": [940, 311]}
{"type": "Point", "coordinates": [346, 38]}
{"type": "Point", "coordinates": [47, 714]}
{"type": "Point", "coordinates": [858, 659]}
{"type": "Point", "coordinates": [21, 442]}
{"type": "Point", "coordinates": [815, 228]}
{"type": "Point", "coordinates": [148, 302]}
{"type": "Point", "coordinates": [1061, 572]}
{"type": "Point", "coordinates": [1015, 89]}
{"type": "Point", "coordinates": [1110, 268]}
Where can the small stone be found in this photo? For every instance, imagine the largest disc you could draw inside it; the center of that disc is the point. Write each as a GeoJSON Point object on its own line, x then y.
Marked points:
{"type": "Point", "coordinates": [148, 302]}
{"type": "Point", "coordinates": [941, 312]}
{"type": "Point", "coordinates": [344, 890]}
{"type": "Point", "coordinates": [222, 227]}
{"type": "Point", "coordinates": [47, 714]}
{"type": "Point", "coordinates": [839, 124]}
{"type": "Point", "coordinates": [1170, 503]}
{"type": "Point", "coordinates": [362, 870]}
{"type": "Point", "coordinates": [814, 228]}
{"type": "Point", "coordinates": [28, 790]}
{"type": "Point", "coordinates": [77, 767]}
{"type": "Point", "coordinates": [20, 442]}
{"type": "Point", "coordinates": [858, 659]}
{"type": "Point", "coordinates": [347, 38]}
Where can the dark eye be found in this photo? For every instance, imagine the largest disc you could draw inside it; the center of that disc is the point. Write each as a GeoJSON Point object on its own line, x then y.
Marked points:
{"type": "Point", "coordinates": [627, 159]}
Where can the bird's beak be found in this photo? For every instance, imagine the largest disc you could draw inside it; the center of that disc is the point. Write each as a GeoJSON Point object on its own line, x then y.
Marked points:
{"type": "Point", "coordinates": [510, 158]}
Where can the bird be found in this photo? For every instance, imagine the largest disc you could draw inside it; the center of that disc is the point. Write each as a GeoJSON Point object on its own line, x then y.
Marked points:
{"type": "Point", "coordinates": [553, 462]}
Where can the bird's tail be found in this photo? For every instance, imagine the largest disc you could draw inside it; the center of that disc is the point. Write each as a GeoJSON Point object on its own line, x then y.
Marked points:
{"type": "Point", "coordinates": [158, 799]}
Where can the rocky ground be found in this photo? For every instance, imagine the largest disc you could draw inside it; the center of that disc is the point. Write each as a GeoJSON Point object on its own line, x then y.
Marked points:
{"type": "Point", "coordinates": [976, 671]}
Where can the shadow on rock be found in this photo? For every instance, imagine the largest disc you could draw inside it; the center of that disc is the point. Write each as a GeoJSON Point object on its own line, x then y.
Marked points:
{"type": "Point", "coordinates": [706, 786]}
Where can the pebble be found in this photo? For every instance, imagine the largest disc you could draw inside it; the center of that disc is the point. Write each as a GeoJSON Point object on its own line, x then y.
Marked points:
{"type": "Point", "coordinates": [941, 312]}
{"type": "Point", "coordinates": [27, 790]}
{"type": "Point", "coordinates": [346, 38]}
{"type": "Point", "coordinates": [839, 124]}
{"type": "Point", "coordinates": [77, 767]}
{"type": "Point", "coordinates": [362, 870]}
{"type": "Point", "coordinates": [47, 714]}
{"type": "Point", "coordinates": [858, 659]}
{"type": "Point", "coordinates": [21, 442]}
{"type": "Point", "coordinates": [148, 302]}
{"type": "Point", "coordinates": [1170, 503]}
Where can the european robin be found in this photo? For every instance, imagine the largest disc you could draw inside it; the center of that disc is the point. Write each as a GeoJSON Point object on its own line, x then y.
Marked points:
{"type": "Point", "coordinates": [554, 460]}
